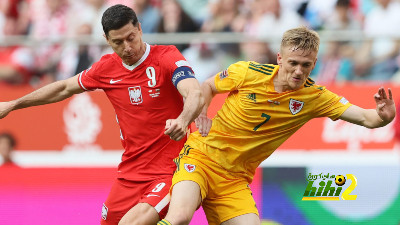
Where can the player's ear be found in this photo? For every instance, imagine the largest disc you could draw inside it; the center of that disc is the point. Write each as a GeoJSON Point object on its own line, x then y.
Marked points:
{"type": "Point", "coordinates": [139, 26]}
{"type": "Point", "coordinates": [106, 37]}
{"type": "Point", "coordinates": [279, 59]}
{"type": "Point", "coordinates": [315, 63]}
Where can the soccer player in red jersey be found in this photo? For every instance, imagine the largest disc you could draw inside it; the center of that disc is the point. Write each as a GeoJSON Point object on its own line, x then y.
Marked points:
{"type": "Point", "coordinates": [147, 85]}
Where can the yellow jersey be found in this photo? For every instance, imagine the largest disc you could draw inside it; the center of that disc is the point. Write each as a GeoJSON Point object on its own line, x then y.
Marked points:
{"type": "Point", "coordinates": [255, 119]}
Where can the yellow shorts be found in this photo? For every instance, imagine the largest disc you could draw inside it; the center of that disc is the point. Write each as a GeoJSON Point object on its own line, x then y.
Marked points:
{"type": "Point", "coordinates": [224, 196]}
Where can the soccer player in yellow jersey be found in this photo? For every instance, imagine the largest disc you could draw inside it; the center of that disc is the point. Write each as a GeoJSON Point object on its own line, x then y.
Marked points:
{"type": "Point", "coordinates": [265, 106]}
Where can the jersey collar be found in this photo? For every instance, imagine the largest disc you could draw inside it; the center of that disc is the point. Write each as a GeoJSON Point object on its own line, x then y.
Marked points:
{"type": "Point", "coordinates": [144, 57]}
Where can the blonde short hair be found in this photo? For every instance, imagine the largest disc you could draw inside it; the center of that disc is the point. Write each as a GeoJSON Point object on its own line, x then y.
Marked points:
{"type": "Point", "coordinates": [301, 38]}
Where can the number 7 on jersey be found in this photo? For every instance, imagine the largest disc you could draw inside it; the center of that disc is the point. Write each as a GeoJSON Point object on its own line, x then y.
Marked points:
{"type": "Point", "coordinates": [267, 117]}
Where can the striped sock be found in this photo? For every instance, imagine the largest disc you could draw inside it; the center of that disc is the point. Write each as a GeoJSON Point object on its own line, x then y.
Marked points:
{"type": "Point", "coordinates": [164, 222]}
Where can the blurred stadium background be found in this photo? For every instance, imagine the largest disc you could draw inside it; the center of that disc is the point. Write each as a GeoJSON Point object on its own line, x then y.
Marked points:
{"type": "Point", "coordinates": [66, 154]}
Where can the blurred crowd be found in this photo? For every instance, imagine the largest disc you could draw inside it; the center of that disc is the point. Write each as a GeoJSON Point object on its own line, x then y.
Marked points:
{"type": "Point", "coordinates": [56, 54]}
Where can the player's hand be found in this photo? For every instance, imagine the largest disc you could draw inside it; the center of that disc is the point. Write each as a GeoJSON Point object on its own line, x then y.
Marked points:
{"type": "Point", "coordinates": [5, 109]}
{"type": "Point", "coordinates": [385, 105]}
{"type": "Point", "coordinates": [203, 123]}
{"type": "Point", "coordinates": [176, 129]}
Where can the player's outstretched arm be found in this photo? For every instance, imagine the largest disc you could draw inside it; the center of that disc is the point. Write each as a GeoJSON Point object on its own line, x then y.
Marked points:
{"type": "Point", "coordinates": [50, 93]}
{"type": "Point", "coordinates": [190, 90]}
{"type": "Point", "coordinates": [372, 118]}
{"type": "Point", "coordinates": [203, 123]}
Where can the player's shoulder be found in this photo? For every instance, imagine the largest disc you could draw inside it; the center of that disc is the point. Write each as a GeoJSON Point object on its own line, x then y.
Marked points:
{"type": "Point", "coordinates": [313, 89]}
{"type": "Point", "coordinates": [253, 68]}
{"type": "Point", "coordinates": [163, 49]}
{"type": "Point", "coordinates": [169, 56]}
{"type": "Point", "coordinates": [312, 86]}
{"type": "Point", "coordinates": [239, 66]}
{"type": "Point", "coordinates": [262, 69]}
{"type": "Point", "coordinates": [107, 62]}
{"type": "Point", "coordinates": [166, 53]}
{"type": "Point", "coordinates": [107, 57]}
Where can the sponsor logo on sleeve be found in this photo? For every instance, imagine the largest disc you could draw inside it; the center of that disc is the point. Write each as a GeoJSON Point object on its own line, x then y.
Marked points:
{"type": "Point", "coordinates": [344, 101]}
{"type": "Point", "coordinates": [223, 74]}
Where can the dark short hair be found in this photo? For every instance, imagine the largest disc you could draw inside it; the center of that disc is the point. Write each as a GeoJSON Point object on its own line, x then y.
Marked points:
{"type": "Point", "coordinates": [116, 17]}
{"type": "Point", "coordinates": [10, 138]}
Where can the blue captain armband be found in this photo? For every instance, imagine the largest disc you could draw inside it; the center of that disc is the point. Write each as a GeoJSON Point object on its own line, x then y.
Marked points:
{"type": "Point", "coordinates": [182, 73]}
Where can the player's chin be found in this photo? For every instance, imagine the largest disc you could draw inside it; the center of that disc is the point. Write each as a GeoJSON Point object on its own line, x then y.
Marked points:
{"type": "Point", "coordinates": [130, 60]}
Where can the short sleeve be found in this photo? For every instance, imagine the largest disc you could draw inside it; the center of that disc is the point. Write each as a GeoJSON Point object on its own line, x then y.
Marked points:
{"type": "Point", "coordinates": [173, 59]}
{"type": "Point", "coordinates": [331, 105]}
{"type": "Point", "coordinates": [231, 78]}
{"type": "Point", "coordinates": [88, 79]}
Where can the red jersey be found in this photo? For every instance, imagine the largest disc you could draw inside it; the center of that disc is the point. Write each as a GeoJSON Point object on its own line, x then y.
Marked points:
{"type": "Point", "coordinates": [144, 97]}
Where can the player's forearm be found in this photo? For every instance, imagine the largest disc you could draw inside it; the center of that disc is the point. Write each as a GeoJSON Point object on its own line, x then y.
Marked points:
{"type": "Point", "coordinates": [193, 105]}
{"type": "Point", "coordinates": [373, 120]}
{"type": "Point", "coordinates": [208, 95]}
{"type": "Point", "coordinates": [51, 93]}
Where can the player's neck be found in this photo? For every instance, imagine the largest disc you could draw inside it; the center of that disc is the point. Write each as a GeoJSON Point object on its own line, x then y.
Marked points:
{"type": "Point", "coordinates": [279, 85]}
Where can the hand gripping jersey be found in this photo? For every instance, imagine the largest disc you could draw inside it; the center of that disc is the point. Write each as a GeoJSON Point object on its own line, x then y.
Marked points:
{"type": "Point", "coordinates": [144, 97]}
{"type": "Point", "coordinates": [255, 119]}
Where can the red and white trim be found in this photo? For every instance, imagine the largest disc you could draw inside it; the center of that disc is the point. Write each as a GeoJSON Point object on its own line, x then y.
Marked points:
{"type": "Point", "coordinates": [80, 81]}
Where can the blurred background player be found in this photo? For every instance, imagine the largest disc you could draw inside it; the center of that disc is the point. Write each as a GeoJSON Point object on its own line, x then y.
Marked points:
{"type": "Point", "coordinates": [175, 20]}
{"type": "Point", "coordinates": [376, 59]}
{"type": "Point", "coordinates": [7, 145]}
{"type": "Point", "coordinates": [146, 85]}
{"type": "Point", "coordinates": [266, 105]}
{"type": "Point", "coordinates": [16, 62]}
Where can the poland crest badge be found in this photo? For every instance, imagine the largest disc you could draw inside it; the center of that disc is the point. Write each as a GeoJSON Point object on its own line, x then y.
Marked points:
{"type": "Point", "coordinates": [295, 106]}
{"type": "Point", "coordinates": [135, 93]}
{"type": "Point", "coordinates": [189, 167]}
